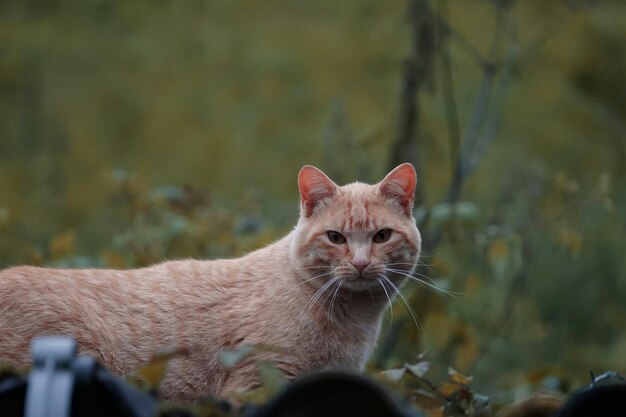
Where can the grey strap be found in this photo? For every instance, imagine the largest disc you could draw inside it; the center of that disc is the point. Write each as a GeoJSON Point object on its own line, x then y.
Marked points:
{"type": "Point", "coordinates": [51, 381]}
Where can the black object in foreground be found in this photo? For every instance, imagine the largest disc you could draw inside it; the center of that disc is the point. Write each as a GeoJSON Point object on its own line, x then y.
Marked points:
{"type": "Point", "coordinates": [335, 394]}
{"type": "Point", "coordinates": [63, 385]}
{"type": "Point", "coordinates": [605, 396]}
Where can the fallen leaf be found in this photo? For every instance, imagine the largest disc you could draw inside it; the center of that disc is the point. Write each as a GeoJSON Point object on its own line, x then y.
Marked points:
{"type": "Point", "coordinates": [458, 378]}
{"type": "Point", "coordinates": [425, 400]}
{"type": "Point", "coordinates": [394, 374]}
{"type": "Point", "coordinates": [418, 370]}
{"type": "Point", "coordinates": [447, 389]}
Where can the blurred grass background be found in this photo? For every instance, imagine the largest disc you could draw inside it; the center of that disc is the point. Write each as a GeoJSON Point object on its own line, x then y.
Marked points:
{"type": "Point", "coordinates": [132, 132]}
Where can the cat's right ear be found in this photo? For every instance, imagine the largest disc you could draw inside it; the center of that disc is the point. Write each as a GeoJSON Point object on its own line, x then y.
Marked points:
{"type": "Point", "coordinates": [399, 186]}
{"type": "Point", "coordinates": [314, 187]}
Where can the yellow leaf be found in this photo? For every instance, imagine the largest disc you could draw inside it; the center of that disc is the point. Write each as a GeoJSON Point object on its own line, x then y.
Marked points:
{"type": "Point", "coordinates": [63, 244]}
{"type": "Point", "coordinates": [154, 371]}
{"type": "Point", "coordinates": [419, 369]}
{"type": "Point", "coordinates": [564, 183]}
{"type": "Point", "coordinates": [458, 378]}
{"type": "Point", "coordinates": [497, 251]}
{"type": "Point", "coordinates": [448, 388]}
{"type": "Point", "coordinates": [472, 283]}
{"type": "Point", "coordinates": [570, 239]}
{"type": "Point", "coordinates": [114, 259]}
{"type": "Point", "coordinates": [435, 412]}
{"type": "Point", "coordinates": [466, 350]}
{"type": "Point", "coordinates": [394, 375]}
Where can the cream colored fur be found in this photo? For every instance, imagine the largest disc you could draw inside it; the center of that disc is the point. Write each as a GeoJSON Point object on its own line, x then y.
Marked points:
{"type": "Point", "coordinates": [124, 317]}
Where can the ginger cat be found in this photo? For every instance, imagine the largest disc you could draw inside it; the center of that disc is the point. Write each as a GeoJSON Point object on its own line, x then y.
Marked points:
{"type": "Point", "coordinates": [317, 295]}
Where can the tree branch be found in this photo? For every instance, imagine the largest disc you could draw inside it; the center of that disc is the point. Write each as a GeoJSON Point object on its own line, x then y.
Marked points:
{"type": "Point", "coordinates": [416, 72]}
{"type": "Point", "coordinates": [447, 84]}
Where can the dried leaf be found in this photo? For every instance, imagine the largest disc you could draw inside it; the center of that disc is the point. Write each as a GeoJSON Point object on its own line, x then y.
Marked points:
{"type": "Point", "coordinates": [498, 251]}
{"type": "Point", "coordinates": [63, 244]}
{"type": "Point", "coordinates": [154, 371]}
{"type": "Point", "coordinates": [447, 389]}
{"type": "Point", "coordinates": [418, 370]}
{"type": "Point", "coordinates": [468, 350]}
{"type": "Point", "coordinates": [394, 374]}
{"type": "Point", "coordinates": [434, 412]}
{"type": "Point", "coordinates": [458, 378]}
{"type": "Point", "coordinates": [563, 182]}
{"type": "Point", "coordinates": [570, 239]}
{"type": "Point", "coordinates": [425, 400]}
{"type": "Point", "coordinates": [114, 259]}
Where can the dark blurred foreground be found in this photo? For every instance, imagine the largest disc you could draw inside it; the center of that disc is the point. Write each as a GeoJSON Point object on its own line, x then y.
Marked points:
{"type": "Point", "coordinates": [62, 385]}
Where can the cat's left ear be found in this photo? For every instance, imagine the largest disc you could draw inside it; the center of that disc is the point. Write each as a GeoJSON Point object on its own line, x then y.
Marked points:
{"type": "Point", "coordinates": [314, 187]}
{"type": "Point", "coordinates": [399, 185]}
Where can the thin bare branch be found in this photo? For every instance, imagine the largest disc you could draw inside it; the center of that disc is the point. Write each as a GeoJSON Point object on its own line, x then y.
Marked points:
{"type": "Point", "coordinates": [447, 87]}
{"type": "Point", "coordinates": [465, 45]}
{"type": "Point", "coordinates": [416, 72]}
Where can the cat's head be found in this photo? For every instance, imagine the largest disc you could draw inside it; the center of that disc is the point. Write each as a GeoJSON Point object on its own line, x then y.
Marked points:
{"type": "Point", "coordinates": [358, 234]}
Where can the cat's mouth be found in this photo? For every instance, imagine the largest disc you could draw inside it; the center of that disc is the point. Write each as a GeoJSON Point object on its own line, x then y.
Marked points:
{"type": "Point", "coordinates": [361, 282]}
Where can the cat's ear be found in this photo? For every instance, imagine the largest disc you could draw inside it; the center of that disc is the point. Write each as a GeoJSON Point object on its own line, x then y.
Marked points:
{"type": "Point", "coordinates": [399, 185]}
{"type": "Point", "coordinates": [314, 187]}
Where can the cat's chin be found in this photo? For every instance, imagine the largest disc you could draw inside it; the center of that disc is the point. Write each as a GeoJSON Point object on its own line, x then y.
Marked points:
{"type": "Point", "coordinates": [361, 283]}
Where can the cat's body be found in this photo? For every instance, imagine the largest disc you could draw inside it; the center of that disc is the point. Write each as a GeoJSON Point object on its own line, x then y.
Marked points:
{"type": "Point", "coordinates": [317, 300]}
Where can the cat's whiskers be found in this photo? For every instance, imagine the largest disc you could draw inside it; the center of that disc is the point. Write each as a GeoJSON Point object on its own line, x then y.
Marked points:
{"type": "Point", "coordinates": [318, 294]}
{"type": "Point", "coordinates": [382, 284]}
{"type": "Point", "coordinates": [415, 272]}
{"type": "Point", "coordinates": [423, 282]}
{"type": "Point", "coordinates": [312, 267]}
{"type": "Point", "coordinates": [432, 281]}
{"type": "Point", "coordinates": [406, 302]}
{"type": "Point", "coordinates": [310, 279]}
{"type": "Point", "coordinates": [330, 294]}
{"type": "Point", "coordinates": [419, 262]}
{"type": "Point", "coordinates": [332, 302]}
{"type": "Point", "coordinates": [419, 274]}
{"type": "Point", "coordinates": [412, 264]}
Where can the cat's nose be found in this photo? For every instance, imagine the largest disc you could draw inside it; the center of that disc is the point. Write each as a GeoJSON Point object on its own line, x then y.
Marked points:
{"type": "Point", "coordinates": [360, 263]}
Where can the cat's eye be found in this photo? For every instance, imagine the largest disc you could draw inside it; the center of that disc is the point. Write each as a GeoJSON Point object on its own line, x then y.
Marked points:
{"type": "Point", "coordinates": [382, 236]}
{"type": "Point", "coordinates": [336, 237]}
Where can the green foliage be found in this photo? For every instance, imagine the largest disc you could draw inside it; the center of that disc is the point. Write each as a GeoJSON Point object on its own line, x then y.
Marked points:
{"type": "Point", "coordinates": [131, 132]}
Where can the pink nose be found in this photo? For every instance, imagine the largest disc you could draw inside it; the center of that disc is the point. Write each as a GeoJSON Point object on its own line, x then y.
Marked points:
{"type": "Point", "coordinates": [360, 263]}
